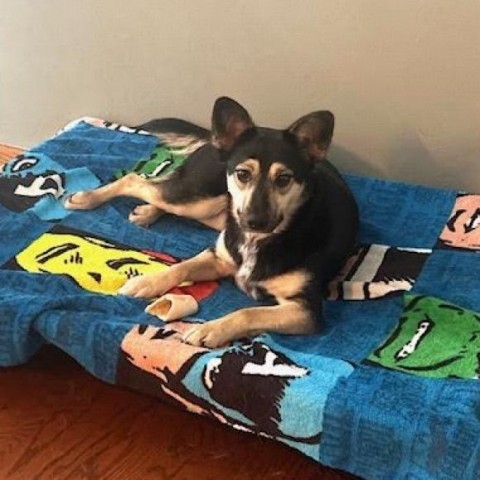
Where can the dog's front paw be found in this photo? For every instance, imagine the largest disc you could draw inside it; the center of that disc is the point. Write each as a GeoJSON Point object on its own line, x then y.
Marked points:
{"type": "Point", "coordinates": [148, 286]}
{"type": "Point", "coordinates": [212, 334]}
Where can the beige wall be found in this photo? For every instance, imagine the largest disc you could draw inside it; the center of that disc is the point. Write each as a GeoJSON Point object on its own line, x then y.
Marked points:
{"type": "Point", "coordinates": [402, 77]}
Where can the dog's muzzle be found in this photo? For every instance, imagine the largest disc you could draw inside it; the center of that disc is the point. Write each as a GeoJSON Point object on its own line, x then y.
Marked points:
{"type": "Point", "coordinates": [259, 222]}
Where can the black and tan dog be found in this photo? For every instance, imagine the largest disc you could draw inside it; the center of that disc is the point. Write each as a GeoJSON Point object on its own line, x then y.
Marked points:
{"type": "Point", "coordinates": [287, 219]}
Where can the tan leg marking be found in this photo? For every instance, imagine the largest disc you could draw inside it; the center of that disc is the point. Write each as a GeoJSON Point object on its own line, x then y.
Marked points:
{"type": "Point", "coordinates": [205, 266]}
{"type": "Point", "coordinates": [288, 318]}
{"type": "Point", "coordinates": [217, 222]}
{"type": "Point", "coordinates": [287, 285]}
{"type": "Point", "coordinates": [145, 215]}
{"type": "Point", "coordinates": [202, 210]}
{"type": "Point", "coordinates": [130, 185]}
{"type": "Point", "coordinates": [150, 192]}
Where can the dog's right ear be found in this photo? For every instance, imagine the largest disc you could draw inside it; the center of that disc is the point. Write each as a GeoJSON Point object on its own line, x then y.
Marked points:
{"type": "Point", "coordinates": [229, 121]}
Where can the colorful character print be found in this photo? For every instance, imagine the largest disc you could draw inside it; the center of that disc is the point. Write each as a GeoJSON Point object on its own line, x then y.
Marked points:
{"type": "Point", "coordinates": [22, 185]}
{"type": "Point", "coordinates": [462, 230]}
{"type": "Point", "coordinates": [243, 385]}
{"type": "Point", "coordinates": [163, 160]}
{"type": "Point", "coordinates": [433, 339]}
{"type": "Point", "coordinates": [94, 263]}
{"type": "Point", "coordinates": [377, 271]}
{"type": "Point", "coordinates": [32, 181]}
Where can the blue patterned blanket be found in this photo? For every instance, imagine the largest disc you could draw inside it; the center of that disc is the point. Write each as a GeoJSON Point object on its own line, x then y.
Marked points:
{"type": "Point", "coordinates": [389, 390]}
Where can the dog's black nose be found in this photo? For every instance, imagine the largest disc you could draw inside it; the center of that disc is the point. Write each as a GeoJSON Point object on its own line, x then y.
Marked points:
{"type": "Point", "coordinates": [254, 222]}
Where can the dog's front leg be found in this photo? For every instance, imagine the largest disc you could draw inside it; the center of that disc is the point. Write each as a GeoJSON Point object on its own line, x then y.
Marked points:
{"type": "Point", "coordinates": [205, 266]}
{"type": "Point", "coordinates": [289, 317]}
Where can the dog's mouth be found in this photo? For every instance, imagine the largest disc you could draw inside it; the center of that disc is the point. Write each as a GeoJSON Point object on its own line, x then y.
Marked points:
{"type": "Point", "coordinates": [253, 236]}
{"type": "Point", "coordinates": [259, 227]}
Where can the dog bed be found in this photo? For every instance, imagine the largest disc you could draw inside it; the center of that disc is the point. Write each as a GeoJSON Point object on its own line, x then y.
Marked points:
{"type": "Point", "coordinates": [389, 389]}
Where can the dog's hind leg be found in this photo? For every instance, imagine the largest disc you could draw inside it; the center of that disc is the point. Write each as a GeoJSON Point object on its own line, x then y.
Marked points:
{"type": "Point", "coordinates": [210, 210]}
{"type": "Point", "coordinates": [130, 185]}
{"type": "Point", "coordinates": [217, 222]}
{"type": "Point", "coordinates": [145, 215]}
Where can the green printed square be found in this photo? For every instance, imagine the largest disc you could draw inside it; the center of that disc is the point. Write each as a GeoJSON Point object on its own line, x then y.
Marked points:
{"type": "Point", "coordinates": [163, 160]}
{"type": "Point", "coordinates": [433, 339]}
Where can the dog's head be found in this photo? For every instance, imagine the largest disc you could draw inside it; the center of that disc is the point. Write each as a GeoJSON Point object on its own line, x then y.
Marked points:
{"type": "Point", "coordinates": [269, 172]}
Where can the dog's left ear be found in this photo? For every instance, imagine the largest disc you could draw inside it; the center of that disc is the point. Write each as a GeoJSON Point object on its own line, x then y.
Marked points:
{"type": "Point", "coordinates": [313, 133]}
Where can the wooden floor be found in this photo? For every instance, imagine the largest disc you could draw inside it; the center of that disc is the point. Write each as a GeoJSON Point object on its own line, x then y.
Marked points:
{"type": "Point", "coordinates": [57, 422]}
{"type": "Point", "coordinates": [7, 152]}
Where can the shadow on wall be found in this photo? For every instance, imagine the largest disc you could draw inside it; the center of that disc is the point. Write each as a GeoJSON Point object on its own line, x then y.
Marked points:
{"type": "Point", "coordinates": [419, 159]}
{"type": "Point", "coordinates": [350, 162]}
{"type": "Point", "coordinates": [409, 158]}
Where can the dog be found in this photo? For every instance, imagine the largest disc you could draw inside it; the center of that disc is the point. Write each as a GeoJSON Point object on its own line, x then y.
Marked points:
{"type": "Point", "coordinates": [287, 219]}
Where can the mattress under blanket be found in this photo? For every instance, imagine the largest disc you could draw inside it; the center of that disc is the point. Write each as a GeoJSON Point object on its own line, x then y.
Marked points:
{"type": "Point", "coordinates": [388, 390]}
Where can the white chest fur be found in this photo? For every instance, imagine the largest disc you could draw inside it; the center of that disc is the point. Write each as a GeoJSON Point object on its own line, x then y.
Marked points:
{"type": "Point", "coordinates": [248, 252]}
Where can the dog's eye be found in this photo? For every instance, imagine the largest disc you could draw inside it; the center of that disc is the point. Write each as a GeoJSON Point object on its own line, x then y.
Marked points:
{"type": "Point", "coordinates": [243, 176]}
{"type": "Point", "coordinates": [283, 180]}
